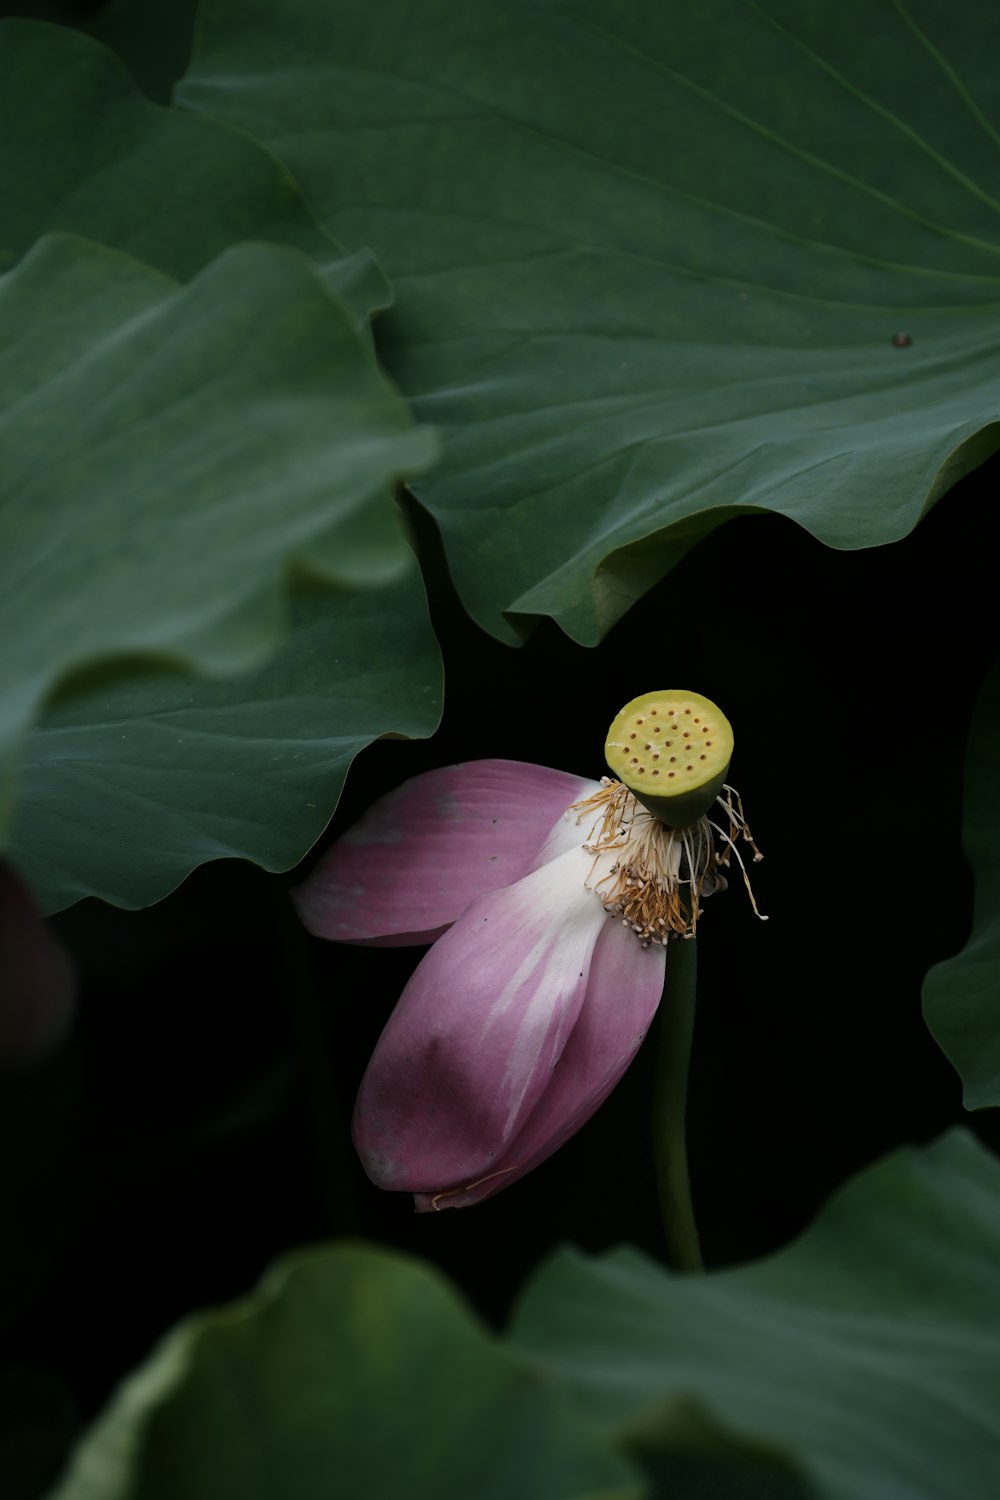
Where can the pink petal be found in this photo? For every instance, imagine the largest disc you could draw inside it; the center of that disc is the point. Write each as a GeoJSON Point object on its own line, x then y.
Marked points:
{"type": "Point", "coordinates": [472, 1044]}
{"type": "Point", "coordinates": [420, 855]}
{"type": "Point", "coordinates": [623, 993]}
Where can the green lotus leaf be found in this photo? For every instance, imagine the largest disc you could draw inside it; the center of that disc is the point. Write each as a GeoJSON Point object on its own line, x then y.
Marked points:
{"type": "Point", "coordinates": [653, 265]}
{"type": "Point", "coordinates": [172, 456]}
{"type": "Point", "coordinates": [134, 777]}
{"type": "Point", "coordinates": [962, 995]}
{"type": "Point", "coordinates": [350, 1372]}
{"type": "Point", "coordinates": [866, 1355]}
{"type": "Point", "coordinates": [81, 151]}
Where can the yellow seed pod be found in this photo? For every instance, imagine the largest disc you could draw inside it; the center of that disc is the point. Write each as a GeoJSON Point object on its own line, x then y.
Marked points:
{"type": "Point", "coordinates": [673, 751]}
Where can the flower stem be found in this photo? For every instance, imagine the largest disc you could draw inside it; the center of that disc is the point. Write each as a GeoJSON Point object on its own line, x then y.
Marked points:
{"type": "Point", "coordinates": [676, 1026]}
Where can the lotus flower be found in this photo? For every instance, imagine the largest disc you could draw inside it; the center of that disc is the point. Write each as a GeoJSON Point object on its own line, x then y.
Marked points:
{"type": "Point", "coordinates": [530, 1004]}
{"type": "Point", "coordinates": [546, 967]}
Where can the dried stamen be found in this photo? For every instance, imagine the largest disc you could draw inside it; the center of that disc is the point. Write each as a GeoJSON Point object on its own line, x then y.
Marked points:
{"type": "Point", "coordinates": [657, 875]}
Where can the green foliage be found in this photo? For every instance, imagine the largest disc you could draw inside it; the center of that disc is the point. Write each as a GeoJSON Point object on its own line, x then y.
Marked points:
{"type": "Point", "coordinates": [350, 1372]}
{"type": "Point", "coordinates": [962, 995]}
{"type": "Point", "coordinates": [141, 528]}
{"type": "Point", "coordinates": [172, 458]}
{"type": "Point", "coordinates": [185, 770]}
{"type": "Point", "coordinates": [866, 1354]}
{"type": "Point", "coordinates": [853, 1365]}
{"type": "Point", "coordinates": [82, 151]}
{"type": "Point", "coordinates": [650, 261]}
